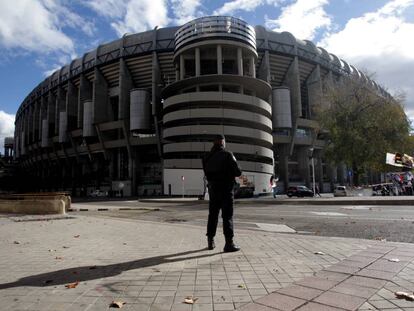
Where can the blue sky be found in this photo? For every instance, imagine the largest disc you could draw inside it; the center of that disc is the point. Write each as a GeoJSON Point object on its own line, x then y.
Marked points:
{"type": "Point", "coordinates": [39, 36]}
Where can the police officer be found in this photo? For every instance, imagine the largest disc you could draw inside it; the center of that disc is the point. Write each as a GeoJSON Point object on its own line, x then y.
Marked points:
{"type": "Point", "coordinates": [220, 168]}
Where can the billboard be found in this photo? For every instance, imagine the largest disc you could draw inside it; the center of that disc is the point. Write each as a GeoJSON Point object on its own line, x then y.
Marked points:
{"type": "Point", "coordinates": [399, 160]}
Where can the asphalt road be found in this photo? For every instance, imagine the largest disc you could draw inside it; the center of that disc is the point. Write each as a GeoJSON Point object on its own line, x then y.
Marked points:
{"type": "Point", "coordinates": [393, 223]}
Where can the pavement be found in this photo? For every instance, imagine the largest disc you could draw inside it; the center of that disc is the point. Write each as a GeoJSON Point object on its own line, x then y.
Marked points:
{"type": "Point", "coordinates": [324, 199]}
{"type": "Point", "coordinates": [157, 266]}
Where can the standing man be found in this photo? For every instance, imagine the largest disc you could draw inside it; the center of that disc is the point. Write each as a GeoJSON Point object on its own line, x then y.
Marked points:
{"type": "Point", "coordinates": [220, 167]}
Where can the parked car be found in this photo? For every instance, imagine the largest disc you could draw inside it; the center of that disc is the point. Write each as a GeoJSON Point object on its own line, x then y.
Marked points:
{"type": "Point", "coordinates": [98, 193]}
{"type": "Point", "coordinates": [340, 191]}
{"type": "Point", "coordinates": [299, 191]}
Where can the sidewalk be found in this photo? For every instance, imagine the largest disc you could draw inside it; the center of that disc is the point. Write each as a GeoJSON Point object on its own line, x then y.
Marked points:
{"type": "Point", "coordinates": [325, 199]}
{"type": "Point", "coordinates": [155, 266]}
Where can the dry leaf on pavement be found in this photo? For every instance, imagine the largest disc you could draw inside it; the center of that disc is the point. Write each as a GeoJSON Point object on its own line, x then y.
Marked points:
{"type": "Point", "coordinates": [16, 242]}
{"type": "Point", "coordinates": [76, 236]}
{"type": "Point", "coordinates": [58, 258]}
{"type": "Point", "coordinates": [319, 253]}
{"type": "Point", "coordinates": [72, 285]}
{"type": "Point", "coordinates": [242, 286]}
{"type": "Point", "coordinates": [117, 304]}
{"type": "Point", "coordinates": [394, 260]}
{"type": "Point", "coordinates": [190, 300]}
{"type": "Point", "coordinates": [404, 295]}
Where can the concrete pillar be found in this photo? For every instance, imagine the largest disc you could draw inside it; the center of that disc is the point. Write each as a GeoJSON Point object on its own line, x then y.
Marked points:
{"type": "Point", "coordinates": [72, 105]}
{"type": "Point", "coordinates": [219, 60]}
{"type": "Point", "coordinates": [304, 165]}
{"type": "Point", "coordinates": [292, 81]}
{"type": "Point", "coordinates": [182, 67]}
{"type": "Point", "coordinates": [264, 69]}
{"type": "Point", "coordinates": [314, 85]}
{"type": "Point", "coordinates": [85, 94]}
{"type": "Point", "coordinates": [51, 111]}
{"type": "Point", "coordinates": [35, 124]}
{"type": "Point", "coordinates": [318, 169]}
{"type": "Point", "coordinates": [252, 66]}
{"type": "Point", "coordinates": [283, 168]}
{"type": "Point", "coordinates": [197, 61]}
{"type": "Point", "coordinates": [125, 85]}
{"type": "Point", "coordinates": [100, 97]}
{"type": "Point", "coordinates": [239, 61]}
{"type": "Point", "coordinates": [60, 106]}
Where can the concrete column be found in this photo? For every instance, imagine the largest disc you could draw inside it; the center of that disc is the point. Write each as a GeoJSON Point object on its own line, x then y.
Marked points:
{"type": "Point", "coordinates": [60, 106]}
{"type": "Point", "coordinates": [292, 81]}
{"type": "Point", "coordinates": [51, 111]}
{"type": "Point", "coordinates": [314, 85]}
{"type": "Point", "coordinates": [341, 173]}
{"type": "Point", "coordinates": [72, 105]}
{"type": "Point", "coordinates": [239, 61]}
{"type": "Point", "coordinates": [182, 67]}
{"type": "Point", "coordinates": [283, 168]}
{"type": "Point", "coordinates": [85, 93]}
{"type": "Point", "coordinates": [197, 61]}
{"type": "Point", "coordinates": [318, 169]}
{"type": "Point", "coordinates": [35, 122]}
{"type": "Point", "coordinates": [125, 86]}
{"type": "Point", "coordinates": [100, 98]}
{"type": "Point", "coordinates": [219, 60]}
{"type": "Point", "coordinates": [252, 66]}
{"type": "Point", "coordinates": [264, 69]}
{"type": "Point", "coordinates": [303, 164]}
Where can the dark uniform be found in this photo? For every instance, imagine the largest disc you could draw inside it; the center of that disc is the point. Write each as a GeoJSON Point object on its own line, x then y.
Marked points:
{"type": "Point", "coordinates": [220, 168]}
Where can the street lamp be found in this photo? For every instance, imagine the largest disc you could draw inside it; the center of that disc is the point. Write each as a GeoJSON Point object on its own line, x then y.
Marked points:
{"type": "Point", "coordinates": [313, 171]}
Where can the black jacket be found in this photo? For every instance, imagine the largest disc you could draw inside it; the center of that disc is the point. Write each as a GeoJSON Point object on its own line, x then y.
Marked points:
{"type": "Point", "coordinates": [220, 166]}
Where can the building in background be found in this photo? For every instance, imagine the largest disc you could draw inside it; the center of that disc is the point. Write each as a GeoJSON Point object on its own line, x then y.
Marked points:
{"type": "Point", "coordinates": [136, 115]}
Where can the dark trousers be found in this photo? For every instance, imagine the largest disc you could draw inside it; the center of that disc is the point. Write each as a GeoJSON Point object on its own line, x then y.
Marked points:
{"type": "Point", "coordinates": [221, 198]}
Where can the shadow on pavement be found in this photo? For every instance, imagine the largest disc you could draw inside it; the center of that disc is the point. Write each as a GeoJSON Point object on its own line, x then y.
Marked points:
{"type": "Point", "coordinates": [88, 273]}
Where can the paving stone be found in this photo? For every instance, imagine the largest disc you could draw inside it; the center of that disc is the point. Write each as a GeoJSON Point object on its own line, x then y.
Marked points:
{"type": "Point", "coordinates": [354, 290]}
{"type": "Point", "coordinates": [317, 283]}
{"type": "Point", "coordinates": [377, 274]}
{"type": "Point", "coordinates": [255, 307]}
{"type": "Point", "coordinates": [365, 282]}
{"type": "Point", "coordinates": [300, 292]}
{"type": "Point", "coordinates": [339, 300]}
{"type": "Point", "coordinates": [281, 302]}
{"type": "Point", "coordinates": [312, 306]}
{"type": "Point", "coordinates": [382, 304]}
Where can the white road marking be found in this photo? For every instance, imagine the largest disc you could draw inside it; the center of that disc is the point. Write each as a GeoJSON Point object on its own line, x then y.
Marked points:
{"type": "Point", "coordinates": [275, 228]}
{"type": "Point", "coordinates": [328, 214]}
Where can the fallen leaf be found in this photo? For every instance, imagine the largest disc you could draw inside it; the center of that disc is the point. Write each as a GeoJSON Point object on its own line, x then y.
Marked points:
{"type": "Point", "coordinates": [125, 244]}
{"type": "Point", "coordinates": [394, 260]}
{"type": "Point", "coordinates": [404, 295]}
{"type": "Point", "coordinates": [52, 250]}
{"type": "Point", "coordinates": [117, 304]}
{"type": "Point", "coordinates": [380, 238]}
{"type": "Point", "coordinates": [300, 251]}
{"type": "Point", "coordinates": [190, 300]}
{"type": "Point", "coordinates": [65, 246]}
{"type": "Point", "coordinates": [242, 286]}
{"type": "Point", "coordinates": [16, 242]}
{"type": "Point", "coordinates": [156, 270]}
{"type": "Point", "coordinates": [58, 258]}
{"type": "Point", "coordinates": [319, 253]}
{"type": "Point", "coordinates": [76, 236]}
{"type": "Point", "coordinates": [72, 285]}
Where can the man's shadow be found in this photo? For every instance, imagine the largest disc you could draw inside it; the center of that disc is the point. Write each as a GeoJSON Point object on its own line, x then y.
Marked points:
{"type": "Point", "coordinates": [88, 273]}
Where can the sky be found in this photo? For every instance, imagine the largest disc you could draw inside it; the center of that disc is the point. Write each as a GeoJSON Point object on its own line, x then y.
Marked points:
{"type": "Point", "coordinates": [39, 36]}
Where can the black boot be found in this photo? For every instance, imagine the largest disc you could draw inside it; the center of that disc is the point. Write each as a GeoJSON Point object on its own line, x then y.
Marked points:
{"type": "Point", "coordinates": [211, 244]}
{"type": "Point", "coordinates": [230, 246]}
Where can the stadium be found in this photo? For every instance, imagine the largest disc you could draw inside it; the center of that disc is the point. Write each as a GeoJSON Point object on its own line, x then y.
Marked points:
{"type": "Point", "coordinates": [135, 116]}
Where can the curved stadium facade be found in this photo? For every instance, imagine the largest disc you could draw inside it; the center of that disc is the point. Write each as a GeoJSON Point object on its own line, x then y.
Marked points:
{"type": "Point", "coordinates": [138, 114]}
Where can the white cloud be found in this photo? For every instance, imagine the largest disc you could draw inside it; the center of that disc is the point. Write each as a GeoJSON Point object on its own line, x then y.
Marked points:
{"type": "Point", "coordinates": [231, 7]}
{"type": "Point", "coordinates": [185, 10]}
{"type": "Point", "coordinates": [109, 8]}
{"type": "Point", "coordinates": [142, 15]}
{"type": "Point", "coordinates": [302, 18]}
{"type": "Point", "coordinates": [6, 126]}
{"type": "Point", "coordinates": [30, 25]}
{"type": "Point", "coordinates": [380, 42]}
